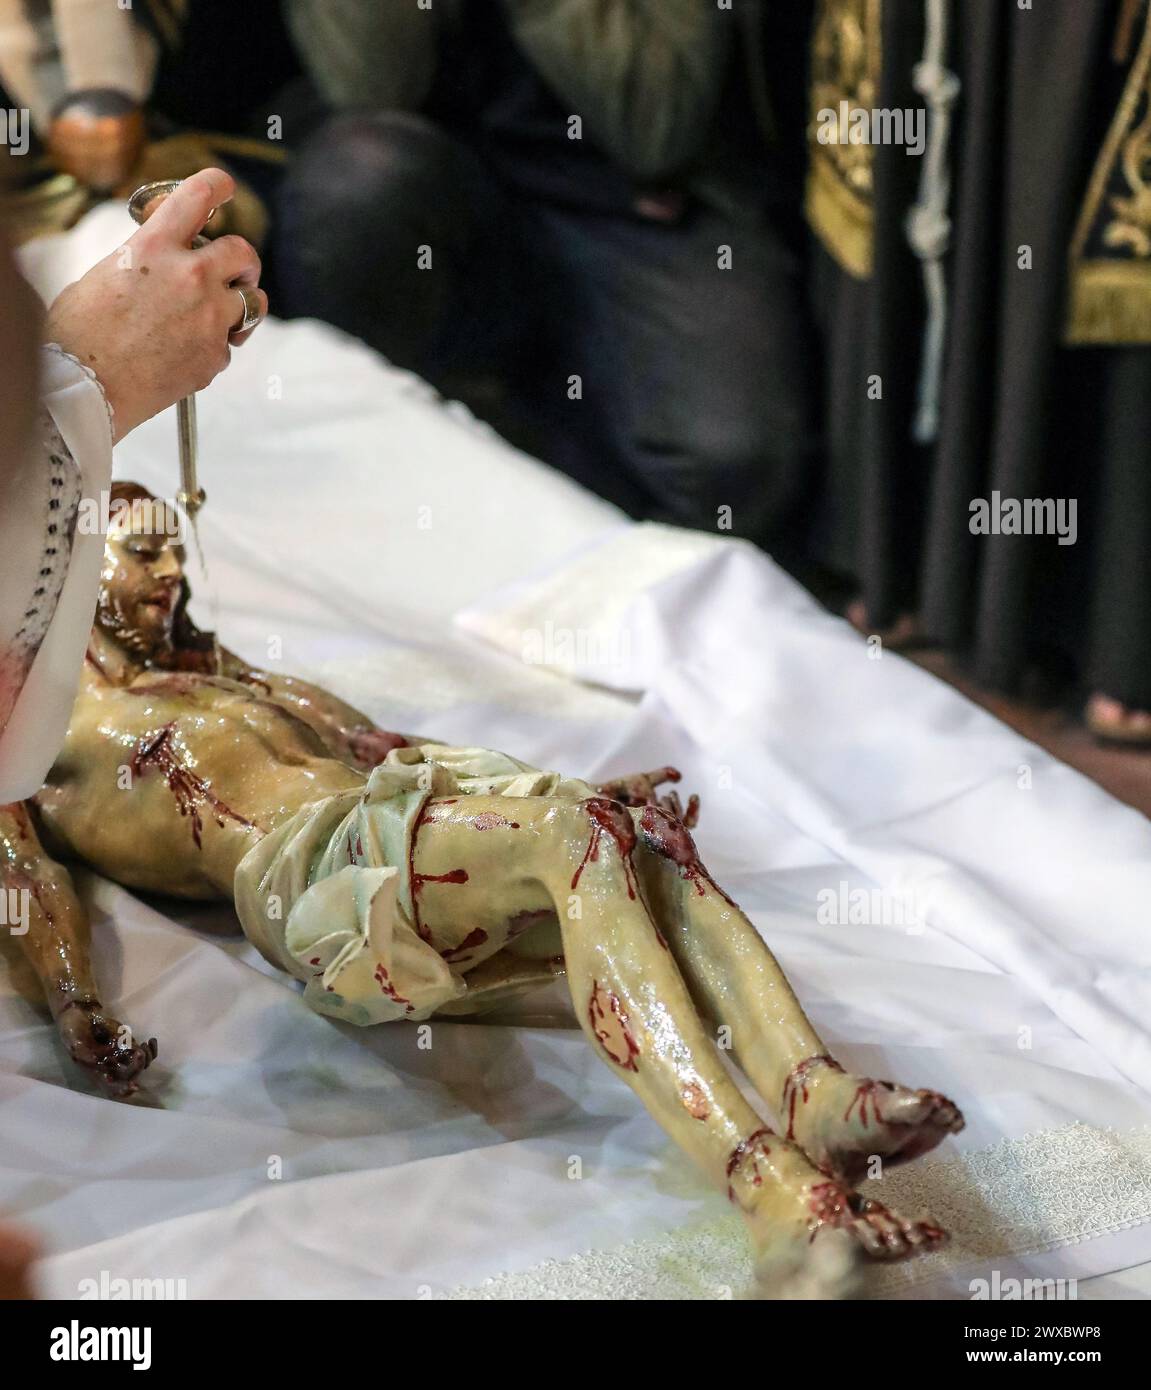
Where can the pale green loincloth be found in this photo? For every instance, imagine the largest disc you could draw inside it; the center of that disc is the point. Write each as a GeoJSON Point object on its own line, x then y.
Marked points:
{"type": "Point", "coordinates": [327, 896]}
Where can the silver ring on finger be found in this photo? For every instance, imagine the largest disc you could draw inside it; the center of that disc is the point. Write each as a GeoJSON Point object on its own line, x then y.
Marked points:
{"type": "Point", "coordinates": [253, 309]}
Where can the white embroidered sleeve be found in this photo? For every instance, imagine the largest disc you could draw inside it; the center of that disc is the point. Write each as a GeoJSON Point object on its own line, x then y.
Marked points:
{"type": "Point", "coordinates": [37, 549]}
{"type": "Point", "coordinates": [49, 571]}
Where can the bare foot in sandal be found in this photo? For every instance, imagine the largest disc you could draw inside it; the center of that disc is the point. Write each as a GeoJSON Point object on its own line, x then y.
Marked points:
{"type": "Point", "coordinates": [904, 632]}
{"type": "Point", "coordinates": [1111, 721]}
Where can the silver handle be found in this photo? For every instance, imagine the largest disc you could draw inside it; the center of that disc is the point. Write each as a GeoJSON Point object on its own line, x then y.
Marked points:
{"type": "Point", "coordinates": [191, 496]}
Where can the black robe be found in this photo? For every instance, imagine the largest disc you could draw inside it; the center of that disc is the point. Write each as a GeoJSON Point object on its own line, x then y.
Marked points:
{"type": "Point", "coordinates": [1020, 412]}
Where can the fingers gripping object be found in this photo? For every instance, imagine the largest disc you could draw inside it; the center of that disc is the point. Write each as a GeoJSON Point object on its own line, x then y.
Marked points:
{"type": "Point", "coordinates": [191, 496]}
{"type": "Point", "coordinates": [253, 310]}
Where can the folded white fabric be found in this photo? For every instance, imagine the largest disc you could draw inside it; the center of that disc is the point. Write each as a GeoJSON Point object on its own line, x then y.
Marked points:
{"type": "Point", "coordinates": [1015, 855]}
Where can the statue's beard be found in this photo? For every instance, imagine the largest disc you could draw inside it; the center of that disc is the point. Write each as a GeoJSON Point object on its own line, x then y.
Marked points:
{"type": "Point", "coordinates": [149, 646]}
{"type": "Point", "coordinates": [180, 646]}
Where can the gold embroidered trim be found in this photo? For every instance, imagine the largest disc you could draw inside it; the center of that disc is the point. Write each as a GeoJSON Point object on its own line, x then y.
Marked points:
{"type": "Point", "coordinates": [844, 223]}
{"type": "Point", "coordinates": [846, 66]}
{"type": "Point", "coordinates": [1109, 296]}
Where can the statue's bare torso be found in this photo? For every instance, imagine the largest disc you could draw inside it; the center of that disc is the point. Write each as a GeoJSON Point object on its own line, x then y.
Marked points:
{"type": "Point", "coordinates": [210, 763]}
{"type": "Point", "coordinates": [167, 781]}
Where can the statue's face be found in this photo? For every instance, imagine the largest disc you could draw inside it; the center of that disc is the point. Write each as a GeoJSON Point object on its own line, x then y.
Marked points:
{"type": "Point", "coordinates": [140, 587]}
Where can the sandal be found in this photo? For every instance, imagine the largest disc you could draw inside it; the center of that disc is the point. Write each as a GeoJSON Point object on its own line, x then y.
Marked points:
{"type": "Point", "coordinates": [903, 635]}
{"type": "Point", "coordinates": [1110, 721]}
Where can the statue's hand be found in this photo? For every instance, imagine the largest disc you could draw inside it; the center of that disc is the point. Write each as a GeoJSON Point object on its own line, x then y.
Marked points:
{"type": "Point", "coordinates": [370, 747]}
{"type": "Point", "coordinates": [639, 789]}
{"type": "Point", "coordinates": [105, 1047]}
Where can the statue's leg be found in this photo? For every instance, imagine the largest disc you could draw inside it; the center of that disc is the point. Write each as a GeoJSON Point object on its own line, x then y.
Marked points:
{"type": "Point", "coordinates": [841, 1121]}
{"type": "Point", "coordinates": [634, 1006]}
{"type": "Point", "coordinates": [484, 862]}
{"type": "Point", "coordinates": [42, 911]}
{"type": "Point", "coordinates": [499, 980]}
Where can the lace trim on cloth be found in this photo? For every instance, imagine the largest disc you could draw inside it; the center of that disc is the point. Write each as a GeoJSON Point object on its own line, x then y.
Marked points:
{"type": "Point", "coordinates": [61, 505]}
{"type": "Point", "coordinates": [92, 377]}
{"type": "Point", "coordinates": [1014, 1198]}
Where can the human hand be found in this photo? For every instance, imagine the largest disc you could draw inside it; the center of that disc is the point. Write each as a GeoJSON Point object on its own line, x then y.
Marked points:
{"type": "Point", "coordinates": [153, 319]}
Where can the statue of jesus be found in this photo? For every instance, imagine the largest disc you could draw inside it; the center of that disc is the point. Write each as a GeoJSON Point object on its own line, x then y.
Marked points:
{"type": "Point", "coordinates": [398, 878]}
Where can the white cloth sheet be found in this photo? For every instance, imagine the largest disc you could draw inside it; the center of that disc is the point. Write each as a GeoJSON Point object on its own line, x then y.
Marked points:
{"type": "Point", "coordinates": [360, 530]}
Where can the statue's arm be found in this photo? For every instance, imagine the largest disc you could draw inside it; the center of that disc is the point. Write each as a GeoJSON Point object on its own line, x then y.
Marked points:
{"type": "Point", "coordinates": [346, 732]}
{"type": "Point", "coordinates": [41, 910]}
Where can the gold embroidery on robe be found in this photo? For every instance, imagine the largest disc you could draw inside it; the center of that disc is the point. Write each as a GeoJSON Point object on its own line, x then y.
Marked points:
{"type": "Point", "coordinates": [1109, 298]}
{"type": "Point", "coordinates": [846, 56]}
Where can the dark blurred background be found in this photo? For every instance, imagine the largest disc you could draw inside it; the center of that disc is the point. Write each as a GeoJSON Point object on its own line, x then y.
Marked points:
{"type": "Point", "coordinates": [829, 275]}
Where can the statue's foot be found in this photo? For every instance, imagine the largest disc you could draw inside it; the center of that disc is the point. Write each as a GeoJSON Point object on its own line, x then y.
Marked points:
{"type": "Point", "coordinates": [812, 1233]}
{"type": "Point", "coordinates": [844, 1122]}
{"type": "Point", "coordinates": [104, 1048]}
{"type": "Point", "coordinates": [823, 1268]}
{"type": "Point", "coordinates": [814, 1243]}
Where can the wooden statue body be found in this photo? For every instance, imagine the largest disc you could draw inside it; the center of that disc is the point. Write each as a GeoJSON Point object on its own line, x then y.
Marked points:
{"type": "Point", "coordinates": [189, 773]}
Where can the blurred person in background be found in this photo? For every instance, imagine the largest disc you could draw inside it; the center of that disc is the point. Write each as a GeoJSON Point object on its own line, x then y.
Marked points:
{"type": "Point", "coordinates": [595, 200]}
{"type": "Point", "coordinates": [82, 70]}
{"type": "Point", "coordinates": [104, 97]}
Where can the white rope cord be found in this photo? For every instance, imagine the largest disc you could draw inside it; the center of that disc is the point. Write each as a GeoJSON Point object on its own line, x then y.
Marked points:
{"type": "Point", "coordinates": [928, 225]}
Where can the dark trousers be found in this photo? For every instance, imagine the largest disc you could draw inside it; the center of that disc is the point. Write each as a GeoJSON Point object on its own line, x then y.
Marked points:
{"type": "Point", "coordinates": [675, 388]}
